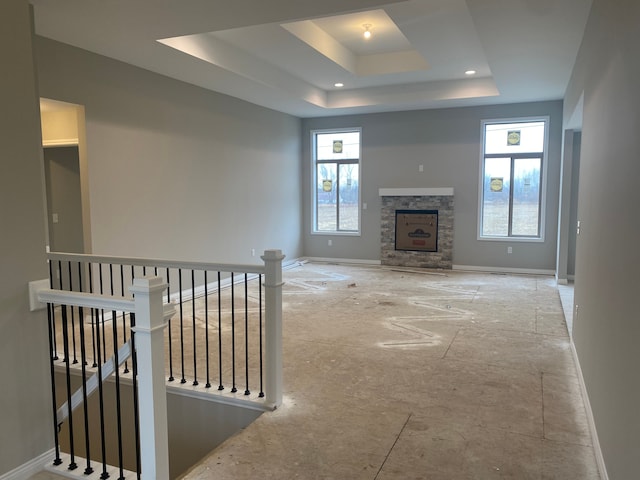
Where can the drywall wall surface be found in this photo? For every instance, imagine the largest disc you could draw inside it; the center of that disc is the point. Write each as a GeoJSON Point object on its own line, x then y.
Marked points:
{"type": "Point", "coordinates": [64, 205]}
{"type": "Point", "coordinates": [60, 127]}
{"type": "Point", "coordinates": [176, 171]}
{"type": "Point", "coordinates": [26, 393]}
{"type": "Point", "coordinates": [606, 327]}
{"type": "Point", "coordinates": [573, 213]}
{"type": "Point", "coordinates": [447, 143]}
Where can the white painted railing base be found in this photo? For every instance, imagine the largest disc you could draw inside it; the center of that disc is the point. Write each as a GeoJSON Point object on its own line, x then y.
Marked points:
{"type": "Point", "coordinates": [64, 471]}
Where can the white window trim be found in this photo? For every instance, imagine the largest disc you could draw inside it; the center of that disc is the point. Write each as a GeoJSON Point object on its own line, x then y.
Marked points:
{"type": "Point", "coordinates": [545, 168]}
{"type": "Point", "coordinates": [314, 179]}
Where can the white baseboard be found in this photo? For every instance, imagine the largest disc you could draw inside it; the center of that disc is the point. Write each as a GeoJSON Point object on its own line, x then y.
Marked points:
{"type": "Point", "coordinates": [472, 268]}
{"type": "Point", "coordinates": [520, 271]}
{"type": "Point", "coordinates": [590, 420]}
{"type": "Point", "coordinates": [30, 468]}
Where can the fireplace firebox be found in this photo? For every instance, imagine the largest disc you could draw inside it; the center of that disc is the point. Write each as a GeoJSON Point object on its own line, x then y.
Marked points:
{"type": "Point", "coordinates": [417, 230]}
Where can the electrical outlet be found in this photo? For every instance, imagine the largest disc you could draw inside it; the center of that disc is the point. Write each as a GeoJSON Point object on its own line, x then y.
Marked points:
{"type": "Point", "coordinates": [509, 250]}
{"type": "Point", "coordinates": [253, 252]}
{"type": "Point", "coordinates": [330, 242]}
{"type": "Point", "coordinates": [421, 168]}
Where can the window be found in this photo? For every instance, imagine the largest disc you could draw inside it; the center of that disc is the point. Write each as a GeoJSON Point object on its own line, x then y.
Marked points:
{"type": "Point", "coordinates": [336, 200]}
{"type": "Point", "coordinates": [512, 179]}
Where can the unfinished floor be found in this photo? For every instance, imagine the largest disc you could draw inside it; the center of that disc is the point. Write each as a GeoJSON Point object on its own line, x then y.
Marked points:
{"type": "Point", "coordinates": [397, 374]}
{"type": "Point", "coordinates": [393, 373]}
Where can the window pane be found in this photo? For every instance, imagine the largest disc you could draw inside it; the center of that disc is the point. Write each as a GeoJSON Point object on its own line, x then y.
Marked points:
{"type": "Point", "coordinates": [348, 191]}
{"type": "Point", "coordinates": [340, 145]}
{"type": "Point", "coordinates": [326, 190]}
{"type": "Point", "coordinates": [526, 196]}
{"type": "Point", "coordinates": [495, 207]}
{"type": "Point", "coordinates": [514, 137]}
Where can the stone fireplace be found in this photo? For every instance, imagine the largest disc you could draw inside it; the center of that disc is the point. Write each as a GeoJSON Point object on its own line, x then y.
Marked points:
{"type": "Point", "coordinates": [425, 213]}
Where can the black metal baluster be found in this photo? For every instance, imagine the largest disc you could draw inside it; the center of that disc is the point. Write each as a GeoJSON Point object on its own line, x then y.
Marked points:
{"type": "Point", "coordinates": [83, 354]}
{"type": "Point", "coordinates": [193, 323]}
{"type": "Point", "coordinates": [65, 341]}
{"type": "Point", "coordinates": [171, 379]}
{"type": "Point", "coordinates": [59, 272]}
{"type": "Point", "coordinates": [83, 359]}
{"type": "Point", "coordinates": [103, 448]}
{"type": "Point", "coordinates": [261, 394]}
{"type": "Point", "coordinates": [220, 386]}
{"type": "Point", "coordinates": [53, 357]}
{"type": "Point", "coordinates": [233, 338]}
{"type": "Point", "coordinates": [206, 328]}
{"type": "Point", "coordinates": [124, 317]}
{"type": "Point", "coordinates": [54, 350]}
{"type": "Point", "coordinates": [116, 371]}
{"type": "Point", "coordinates": [81, 324]}
{"type": "Point", "coordinates": [136, 413]}
{"type": "Point", "coordinates": [182, 380]}
{"type": "Point", "coordinates": [246, 335]}
{"type": "Point", "coordinates": [73, 319]}
{"type": "Point", "coordinates": [114, 318]}
{"type": "Point", "coordinates": [94, 319]}
{"type": "Point", "coordinates": [102, 358]}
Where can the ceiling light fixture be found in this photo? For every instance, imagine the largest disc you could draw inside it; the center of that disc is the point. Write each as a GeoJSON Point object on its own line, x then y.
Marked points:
{"type": "Point", "coordinates": [470, 72]}
{"type": "Point", "coordinates": [339, 85]}
{"type": "Point", "coordinates": [367, 30]}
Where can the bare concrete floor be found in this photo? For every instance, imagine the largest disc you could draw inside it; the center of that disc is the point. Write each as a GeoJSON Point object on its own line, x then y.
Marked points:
{"type": "Point", "coordinates": [393, 374]}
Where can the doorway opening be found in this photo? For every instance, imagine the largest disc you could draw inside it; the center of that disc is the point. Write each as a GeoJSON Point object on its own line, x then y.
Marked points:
{"type": "Point", "coordinates": [66, 179]}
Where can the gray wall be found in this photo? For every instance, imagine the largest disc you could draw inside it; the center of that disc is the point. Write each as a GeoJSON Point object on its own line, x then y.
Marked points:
{"type": "Point", "coordinates": [176, 171]}
{"type": "Point", "coordinates": [448, 144]}
{"type": "Point", "coordinates": [606, 328]}
{"type": "Point", "coordinates": [25, 401]}
{"type": "Point", "coordinates": [573, 209]}
{"type": "Point", "coordinates": [64, 199]}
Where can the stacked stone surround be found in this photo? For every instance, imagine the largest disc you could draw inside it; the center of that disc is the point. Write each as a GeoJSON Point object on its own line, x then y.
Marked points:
{"type": "Point", "coordinates": [443, 258]}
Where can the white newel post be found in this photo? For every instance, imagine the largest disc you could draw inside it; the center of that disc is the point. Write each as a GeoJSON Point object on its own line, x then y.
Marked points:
{"type": "Point", "coordinates": [273, 325]}
{"type": "Point", "coordinates": [149, 329]}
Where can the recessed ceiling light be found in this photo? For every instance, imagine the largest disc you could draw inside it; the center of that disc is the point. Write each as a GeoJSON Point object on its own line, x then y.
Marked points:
{"type": "Point", "coordinates": [339, 85]}
{"type": "Point", "coordinates": [470, 72]}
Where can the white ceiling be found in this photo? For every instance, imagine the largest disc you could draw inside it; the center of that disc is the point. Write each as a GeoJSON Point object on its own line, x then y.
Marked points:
{"type": "Point", "coordinates": [288, 54]}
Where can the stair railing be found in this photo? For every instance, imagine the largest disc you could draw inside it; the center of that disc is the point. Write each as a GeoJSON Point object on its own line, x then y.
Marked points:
{"type": "Point", "coordinates": [83, 283]}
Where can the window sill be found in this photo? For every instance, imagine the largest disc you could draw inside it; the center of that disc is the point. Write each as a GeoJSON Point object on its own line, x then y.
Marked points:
{"type": "Point", "coordinates": [342, 234]}
{"type": "Point", "coordinates": [512, 239]}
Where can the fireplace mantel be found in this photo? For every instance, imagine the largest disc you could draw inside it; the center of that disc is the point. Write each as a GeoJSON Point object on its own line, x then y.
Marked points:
{"type": "Point", "coordinates": [415, 192]}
